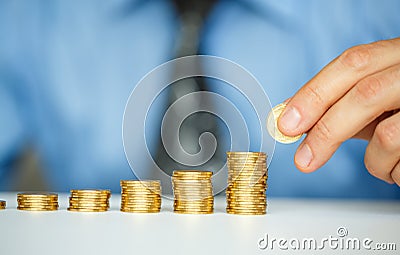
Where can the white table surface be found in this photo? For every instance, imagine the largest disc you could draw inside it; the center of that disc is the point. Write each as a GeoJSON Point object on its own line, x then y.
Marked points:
{"type": "Point", "coordinates": [113, 232]}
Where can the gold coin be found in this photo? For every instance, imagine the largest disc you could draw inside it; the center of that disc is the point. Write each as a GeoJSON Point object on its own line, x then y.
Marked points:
{"type": "Point", "coordinates": [190, 206]}
{"type": "Point", "coordinates": [37, 208]}
{"type": "Point", "coordinates": [149, 197]}
{"type": "Point", "coordinates": [247, 207]}
{"type": "Point", "coordinates": [90, 192]}
{"type": "Point", "coordinates": [247, 186]}
{"type": "Point", "coordinates": [251, 153]}
{"type": "Point", "coordinates": [142, 185]}
{"type": "Point", "coordinates": [148, 188]}
{"type": "Point", "coordinates": [255, 165]}
{"type": "Point", "coordinates": [193, 212]}
{"type": "Point", "coordinates": [89, 198]}
{"type": "Point", "coordinates": [194, 201]}
{"type": "Point", "coordinates": [87, 204]}
{"type": "Point", "coordinates": [147, 203]}
{"type": "Point", "coordinates": [141, 190]}
{"type": "Point", "coordinates": [193, 209]}
{"type": "Point", "coordinates": [37, 204]}
{"type": "Point", "coordinates": [246, 159]}
{"type": "Point", "coordinates": [191, 174]}
{"type": "Point", "coordinates": [190, 180]}
{"type": "Point", "coordinates": [3, 204]}
{"type": "Point", "coordinates": [262, 177]}
{"type": "Point", "coordinates": [148, 206]}
{"type": "Point", "coordinates": [156, 205]}
{"type": "Point", "coordinates": [130, 203]}
{"type": "Point", "coordinates": [86, 210]}
{"type": "Point", "coordinates": [198, 189]}
{"type": "Point", "coordinates": [231, 211]}
{"type": "Point", "coordinates": [36, 194]}
{"type": "Point", "coordinates": [94, 197]}
{"type": "Point", "coordinates": [38, 199]}
{"type": "Point", "coordinates": [141, 205]}
{"type": "Point", "coordinates": [247, 177]}
{"type": "Point", "coordinates": [272, 126]}
{"type": "Point", "coordinates": [127, 210]}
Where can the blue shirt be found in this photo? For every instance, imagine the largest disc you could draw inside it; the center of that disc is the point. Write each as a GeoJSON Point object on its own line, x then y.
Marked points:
{"type": "Point", "coordinates": [68, 67]}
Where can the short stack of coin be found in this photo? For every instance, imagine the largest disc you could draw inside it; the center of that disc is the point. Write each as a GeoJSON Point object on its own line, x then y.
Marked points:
{"type": "Point", "coordinates": [89, 200]}
{"type": "Point", "coordinates": [37, 201]}
{"type": "Point", "coordinates": [140, 196]}
{"type": "Point", "coordinates": [2, 204]}
{"type": "Point", "coordinates": [247, 183]}
{"type": "Point", "coordinates": [193, 192]}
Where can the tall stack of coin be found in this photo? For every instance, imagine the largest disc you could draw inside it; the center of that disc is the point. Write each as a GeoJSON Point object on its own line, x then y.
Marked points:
{"type": "Point", "coordinates": [2, 204]}
{"type": "Point", "coordinates": [247, 183]}
{"type": "Point", "coordinates": [193, 192]}
{"type": "Point", "coordinates": [140, 196]}
{"type": "Point", "coordinates": [89, 200]}
{"type": "Point", "coordinates": [37, 201]}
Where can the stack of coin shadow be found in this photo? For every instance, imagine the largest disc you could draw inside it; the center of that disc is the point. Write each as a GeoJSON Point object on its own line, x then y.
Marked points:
{"type": "Point", "coordinates": [89, 200]}
{"type": "Point", "coordinates": [2, 204]}
{"type": "Point", "coordinates": [193, 192]}
{"type": "Point", "coordinates": [37, 201]}
{"type": "Point", "coordinates": [140, 196]}
{"type": "Point", "coordinates": [247, 183]}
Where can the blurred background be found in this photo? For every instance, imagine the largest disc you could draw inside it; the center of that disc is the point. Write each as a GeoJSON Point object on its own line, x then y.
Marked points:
{"type": "Point", "coordinates": [67, 69]}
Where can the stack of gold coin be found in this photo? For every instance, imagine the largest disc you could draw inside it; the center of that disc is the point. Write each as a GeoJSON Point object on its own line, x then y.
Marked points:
{"type": "Point", "coordinates": [37, 201]}
{"type": "Point", "coordinates": [193, 192]}
{"type": "Point", "coordinates": [89, 200]}
{"type": "Point", "coordinates": [2, 204]}
{"type": "Point", "coordinates": [140, 196]}
{"type": "Point", "coordinates": [247, 183]}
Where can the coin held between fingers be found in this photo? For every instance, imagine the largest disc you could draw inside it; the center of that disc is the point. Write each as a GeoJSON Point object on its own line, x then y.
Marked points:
{"type": "Point", "coordinates": [272, 126]}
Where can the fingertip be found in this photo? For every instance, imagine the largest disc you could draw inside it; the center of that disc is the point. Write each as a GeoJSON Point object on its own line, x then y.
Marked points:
{"type": "Point", "coordinates": [389, 180]}
{"type": "Point", "coordinates": [303, 158]}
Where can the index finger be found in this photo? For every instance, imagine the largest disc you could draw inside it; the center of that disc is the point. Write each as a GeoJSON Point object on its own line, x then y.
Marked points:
{"type": "Point", "coordinates": [308, 105]}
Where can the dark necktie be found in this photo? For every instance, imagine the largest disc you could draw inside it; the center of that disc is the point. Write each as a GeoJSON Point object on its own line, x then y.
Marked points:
{"type": "Point", "coordinates": [192, 16]}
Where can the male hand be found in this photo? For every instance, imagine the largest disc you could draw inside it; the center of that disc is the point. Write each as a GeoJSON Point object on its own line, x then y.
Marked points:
{"type": "Point", "coordinates": [356, 95]}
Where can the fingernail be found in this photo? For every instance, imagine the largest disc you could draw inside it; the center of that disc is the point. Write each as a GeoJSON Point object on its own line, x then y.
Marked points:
{"type": "Point", "coordinates": [304, 156]}
{"type": "Point", "coordinates": [290, 119]}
